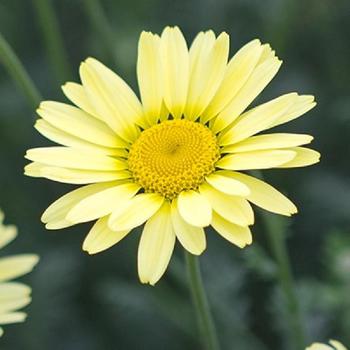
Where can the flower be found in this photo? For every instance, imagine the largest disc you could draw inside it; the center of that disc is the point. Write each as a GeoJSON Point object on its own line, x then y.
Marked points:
{"type": "Point", "coordinates": [13, 295]}
{"type": "Point", "coordinates": [319, 346]}
{"type": "Point", "coordinates": [174, 160]}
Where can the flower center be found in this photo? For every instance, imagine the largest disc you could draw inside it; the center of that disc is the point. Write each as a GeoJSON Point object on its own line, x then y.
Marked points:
{"type": "Point", "coordinates": [173, 156]}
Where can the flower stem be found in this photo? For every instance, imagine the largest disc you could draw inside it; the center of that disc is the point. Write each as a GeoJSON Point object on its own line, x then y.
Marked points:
{"type": "Point", "coordinates": [204, 317]}
{"type": "Point", "coordinates": [275, 230]}
{"type": "Point", "coordinates": [16, 70]}
{"type": "Point", "coordinates": [100, 22]}
{"type": "Point", "coordinates": [53, 39]}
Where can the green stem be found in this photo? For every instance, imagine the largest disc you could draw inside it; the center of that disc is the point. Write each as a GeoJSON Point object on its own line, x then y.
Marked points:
{"type": "Point", "coordinates": [16, 70]}
{"type": "Point", "coordinates": [204, 317]}
{"type": "Point", "coordinates": [53, 39]}
{"type": "Point", "coordinates": [275, 230]}
{"type": "Point", "coordinates": [99, 21]}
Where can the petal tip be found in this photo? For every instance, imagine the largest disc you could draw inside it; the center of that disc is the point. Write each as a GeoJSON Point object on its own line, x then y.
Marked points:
{"type": "Point", "coordinates": [198, 252]}
{"type": "Point", "coordinates": [90, 60]}
{"type": "Point", "coordinates": [90, 250]}
{"type": "Point", "coordinates": [223, 36]}
{"type": "Point", "coordinates": [50, 226]}
{"type": "Point", "coordinates": [36, 259]}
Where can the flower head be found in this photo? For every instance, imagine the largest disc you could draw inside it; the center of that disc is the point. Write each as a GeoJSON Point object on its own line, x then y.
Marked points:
{"type": "Point", "coordinates": [319, 346]}
{"type": "Point", "coordinates": [172, 161]}
{"type": "Point", "coordinates": [13, 295]}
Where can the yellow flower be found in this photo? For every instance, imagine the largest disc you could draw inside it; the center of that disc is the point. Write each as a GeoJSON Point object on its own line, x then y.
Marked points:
{"type": "Point", "coordinates": [173, 160]}
{"type": "Point", "coordinates": [13, 295]}
{"type": "Point", "coordinates": [335, 345]}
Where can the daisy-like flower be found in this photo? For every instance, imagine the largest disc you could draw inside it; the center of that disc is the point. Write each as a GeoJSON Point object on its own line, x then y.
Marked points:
{"type": "Point", "coordinates": [319, 346]}
{"type": "Point", "coordinates": [13, 295]}
{"type": "Point", "coordinates": [172, 161]}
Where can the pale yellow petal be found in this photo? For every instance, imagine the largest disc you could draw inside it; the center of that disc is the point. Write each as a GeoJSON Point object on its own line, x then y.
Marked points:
{"type": "Point", "coordinates": [164, 113]}
{"type": "Point", "coordinates": [149, 75]}
{"type": "Point", "coordinates": [102, 203]}
{"type": "Point", "coordinates": [17, 265]}
{"type": "Point", "coordinates": [208, 58]}
{"type": "Point", "coordinates": [191, 237]}
{"type": "Point", "coordinates": [227, 185]}
{"type": "Point", "coordinates": [268, 141]}
{"type": "Point", "coordinates": [13, 304]}
{"type": "Point", "coordinates": [200, 48]}
{"type": "Point", "coordinates": [319, 346]}
{"type": "Point", "coordinates": [12, 317]}
{"type": "Point", "coordinates": [33, 169]}
{"type": "Point", "coordinates": [74, 158]}
{"type": "Point", "coordinates": [175, 70]}
{"type": "Point", "coordinates": [302, 105]}
{"type": "Point", "coordinates": [256, 159]}
{"type": "Point", "coordinates": [55, 215]}
{"type": "Point", "coordinates": [13, 296]}
{"type": "Point", "coordinates": [101, 237]}
{"type": "Point", "coordinates": [73, 176]}
{"type": "Point", "coordinates": [257, 81]}
{"type": "Point", "coordinates": [232, 208]}
{"type": "Point", "coordinates": [257, 119]}
{"type": "Point", "coordinates": [77, 94]}
{"type": "Point", "coordinates": [13, 290]}
{"type": "Point", "coordinates": [7, 233]}
{"type": "Point", "coordinates": [238, 235]}
{"type": "Point", "coordinates": [65, 139]}
{"type": "Point", "coordinates": [194, 208]}
{"type": "Point", "coordinates": [264, 195]}
{"type": "Point", "coordinates": [304, 157]}
{"type": "Point", "coordinates": [237, 72]}
{"type": "Point", "coordinates": [156, 246]}
{"type": "Point", "coordinates": [76, 122]}
{"type": "Point", "coordinates": [198, 56]}
{"type": "Point", "coordinates": [201, 45]}
{"type": "Point", "coordinates": [112, 98]}
{"type": "Point", "coordinates": [337, 345]}
{"type": "Point", "coordinates": [135, 212]}
{"type": "Point", "coordinates": [266, 53]}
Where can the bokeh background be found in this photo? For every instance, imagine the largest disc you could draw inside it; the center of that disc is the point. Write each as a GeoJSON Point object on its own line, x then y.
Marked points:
{"type": "Point", "coordinates": [96, 302]}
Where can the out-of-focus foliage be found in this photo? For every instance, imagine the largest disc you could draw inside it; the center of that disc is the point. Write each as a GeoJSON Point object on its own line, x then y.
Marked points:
{"type": "Point", "coordinates": [94, 303]}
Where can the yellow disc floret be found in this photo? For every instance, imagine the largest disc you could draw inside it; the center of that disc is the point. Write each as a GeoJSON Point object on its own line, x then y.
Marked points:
{"type": "Point", "coordinates": [173, 156]}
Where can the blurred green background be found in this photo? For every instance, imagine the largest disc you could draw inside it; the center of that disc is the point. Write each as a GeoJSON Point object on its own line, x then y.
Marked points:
{"type": "Point", "coordinates": [96, 302]}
